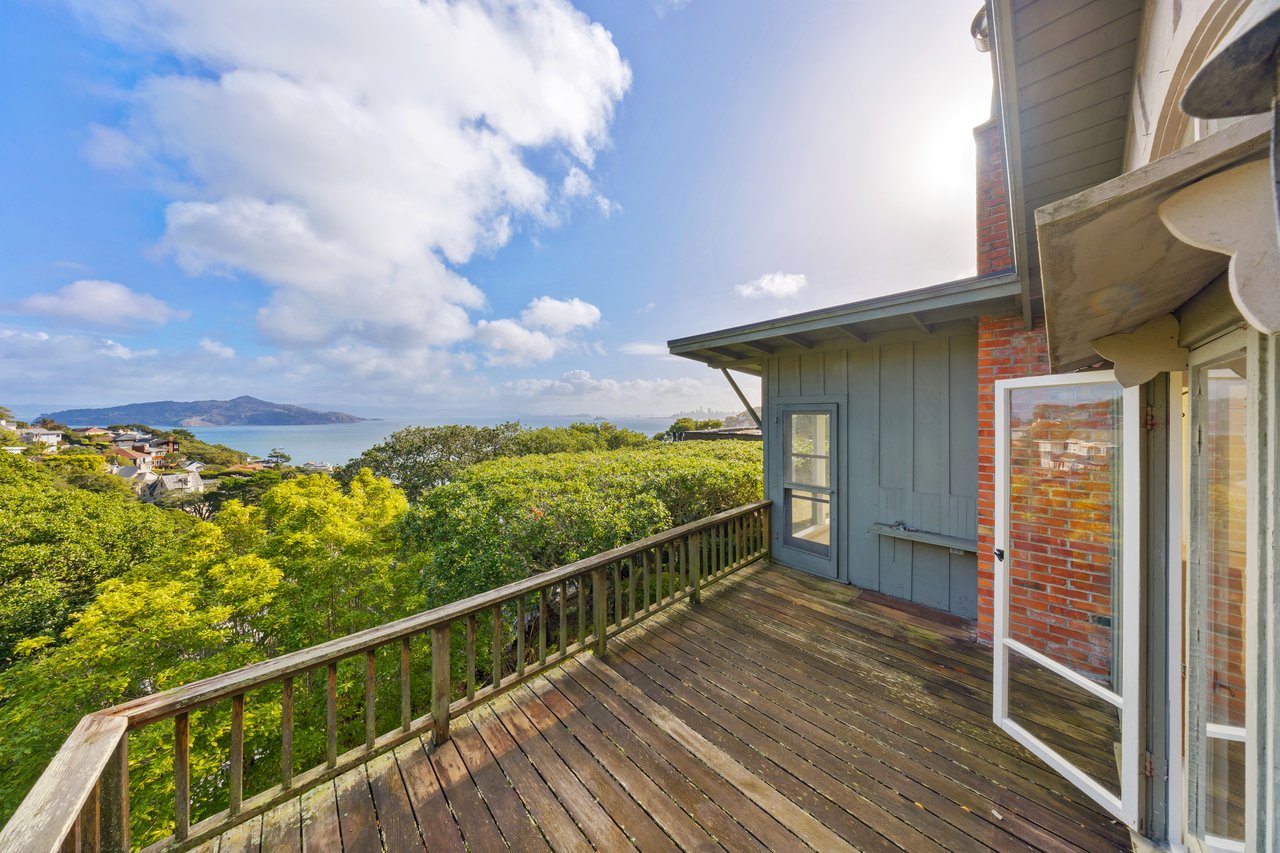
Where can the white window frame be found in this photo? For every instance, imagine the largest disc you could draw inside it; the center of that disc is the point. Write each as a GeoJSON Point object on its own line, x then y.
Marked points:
{"type": "Point", "coordinates": [1129, 699]}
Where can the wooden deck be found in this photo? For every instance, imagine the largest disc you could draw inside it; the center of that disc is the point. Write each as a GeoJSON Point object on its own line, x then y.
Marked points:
{"type": "Point", "coordinates": [783, 712]}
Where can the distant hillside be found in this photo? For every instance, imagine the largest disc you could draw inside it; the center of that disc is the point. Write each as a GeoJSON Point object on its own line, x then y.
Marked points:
{"type": "Point", "coordinates": [242, 411]}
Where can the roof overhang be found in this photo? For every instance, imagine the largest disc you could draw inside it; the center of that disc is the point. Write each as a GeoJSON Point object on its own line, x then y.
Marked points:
{"type": "Point", "coordinates": [1109, 264]}
{"type": "Point", "coordinates": [914, 312]}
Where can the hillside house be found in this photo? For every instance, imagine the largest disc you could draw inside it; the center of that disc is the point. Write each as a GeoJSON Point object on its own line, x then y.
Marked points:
{"type": "Point", "coordinates": [1014, 585]}
{"type": "Point", "coordinates": [185, 483]}
{"type": "Point", "coordinates": [119, 456]}
{"type": "Point", "coordinates": [49, 440]}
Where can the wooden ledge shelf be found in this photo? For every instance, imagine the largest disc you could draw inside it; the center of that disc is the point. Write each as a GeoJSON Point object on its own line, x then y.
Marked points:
{"type": "Point", "coordinates": [955, 543]}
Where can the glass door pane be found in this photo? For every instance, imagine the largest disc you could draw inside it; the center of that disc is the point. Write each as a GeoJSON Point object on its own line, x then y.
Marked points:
{"type": "Point", "coordinates": [807, 480]}
{"type": "Point", "coordinates": [1063, 595]}
{"type": "Point", "coordinates": [1216, 686]}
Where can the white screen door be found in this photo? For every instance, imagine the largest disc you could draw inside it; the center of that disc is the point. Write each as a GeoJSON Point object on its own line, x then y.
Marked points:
{"type": "Point", "coordinates": [1067, 579]}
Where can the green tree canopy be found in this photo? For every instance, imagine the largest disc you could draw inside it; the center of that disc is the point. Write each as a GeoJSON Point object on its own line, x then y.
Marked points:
{"type": "Point", "coordinates": [58, 542]}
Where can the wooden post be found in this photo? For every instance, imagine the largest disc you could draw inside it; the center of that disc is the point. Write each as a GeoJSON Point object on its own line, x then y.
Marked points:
{"type": "Point", "coordinates": [370, 699]}
{"type": "Point", "coordinates": [599, 592]}
{"type": "Point", "coordinates": [181, 776]}
{"type": "Point", "coordinates": [286, 735]}
{"type": "Point", "coordinates": [695, 570]}
{"type": "Point", "coordinates": [115, 800]}
{"type": "Point", "coordinates": [235, 784]}
{"type": "Point", "coordinates": [331, 716]}
{"type": "Point", "coordinates": [406, 704]}
{"type": "Point", "coordinates": [440, 683]}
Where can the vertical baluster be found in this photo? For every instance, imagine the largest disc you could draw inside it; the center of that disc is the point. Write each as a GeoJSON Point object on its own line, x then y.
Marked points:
{"type": "Point", "coordinates": [235, 784]}
{"type": "Point", "coordinates": [631, 588]}
{"type": "Point", "coordinates": [739, 540]}
{"type": "Point", "coordinates": [695, 567]}
{"type": "Point", "coordinates": [370, 699]}
{"type": "Point", "coordinates": [664, 572]}
{"type": "Point", "coordinates": [645, 560]}
{"type": "Point", "coordinates": [497, 647]}
{"type": "Point", "coordinates": [440, 648]}
{"type": "Point", "coordinates": [115, 799]}
{"type": "Point", "coordinates": [181, 776]}
{"type": "Point", "coordinates": [406, 702]}
{"type": "Point", "coordinates": [616, 570]}
{"type": "Point", "coordinates": [520, 637]}
{"type": "Point", "coordinates": [471, 656]}
{"type": "Point", "coordinates": [684, 563]}
{"type": "Point", "coordinates": [564, 624]}
{"type": "Point", "coordinates": [286, 735]}
{"type": "Point", "coordinates": [89, 820]}
{"type": "Point", "coordinates": [542, 626]}
{"type": "Point", "coordinates": [598, 598]}
{"type": "Point", "coordinates": [331, 716]}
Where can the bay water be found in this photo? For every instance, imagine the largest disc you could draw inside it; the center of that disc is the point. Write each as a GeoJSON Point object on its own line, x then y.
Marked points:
{"type": "Point", "coordinates": [335, 444]}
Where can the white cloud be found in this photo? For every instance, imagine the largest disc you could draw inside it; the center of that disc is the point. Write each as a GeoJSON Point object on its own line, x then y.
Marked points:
{"type": "Point", "coordinates": [577, 184]}
{"type": "Point", "coordinates": [560, 315]}
{"type": "Point", "coordinates": [639, 348]}
{"type": "Point", "coordinates": [115, 349]}
{"type": "Point", "coordinates": [213, 347]}
{"type": "Point", "coordinates": [513, 344]}
{"type": "Point", "coordinates": [776, 284]}
{"type": "Point", "coordinates": [622, 396]}
{"type": "Point", "coordinates": [107, 304]}
{"type": "Point", "coordinates": [350, 155]}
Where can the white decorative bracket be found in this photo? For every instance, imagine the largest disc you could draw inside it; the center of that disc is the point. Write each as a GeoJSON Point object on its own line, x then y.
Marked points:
{"type": "Point", "coordinates": [1149, 350]}
{"type": "Point", "coordinates": [1233, 213]}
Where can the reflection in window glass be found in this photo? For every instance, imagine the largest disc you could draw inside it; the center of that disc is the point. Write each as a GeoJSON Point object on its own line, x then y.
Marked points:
{"type": "Point", "coordinates": [1223, 534]}
{"type": "Point", "coordinates": [1065, 524]}
{"type": "Point", "coordinates": [809, 518]}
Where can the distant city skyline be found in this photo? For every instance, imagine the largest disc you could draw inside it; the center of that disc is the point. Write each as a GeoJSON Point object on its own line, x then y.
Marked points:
{"type": "Point", "coordinates": [474, 209]}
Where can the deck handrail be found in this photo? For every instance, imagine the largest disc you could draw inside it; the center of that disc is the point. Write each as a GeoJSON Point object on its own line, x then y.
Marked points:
{"type": "Point", "coordinates": [81, 801]}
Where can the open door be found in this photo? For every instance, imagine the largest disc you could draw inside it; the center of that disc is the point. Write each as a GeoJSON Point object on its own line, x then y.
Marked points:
{"type": "Point", "coordinates": [1067, 572]}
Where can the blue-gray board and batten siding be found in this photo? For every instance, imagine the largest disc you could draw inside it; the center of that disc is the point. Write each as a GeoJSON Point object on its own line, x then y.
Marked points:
{"type": "Point", "coordinates": [906, 448]}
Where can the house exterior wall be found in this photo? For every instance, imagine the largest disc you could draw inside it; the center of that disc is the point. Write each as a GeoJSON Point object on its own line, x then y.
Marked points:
{"type": "Point", "coordinates": [1177, 37]}
{"type": "Point", "coordinates": [907, 421]}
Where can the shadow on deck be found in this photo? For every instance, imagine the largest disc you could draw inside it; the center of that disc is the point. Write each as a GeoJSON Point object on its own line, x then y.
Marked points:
{"type": "Point", "coordinates": [783, 712]}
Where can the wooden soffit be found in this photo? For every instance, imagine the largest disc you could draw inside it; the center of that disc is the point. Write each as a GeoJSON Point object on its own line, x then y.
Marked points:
{"type": "Point", "coordinates": [1110, 264]}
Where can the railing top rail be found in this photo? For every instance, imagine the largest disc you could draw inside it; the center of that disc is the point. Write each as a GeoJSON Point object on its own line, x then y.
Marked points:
{"type": "Point", "coordinates": [199, 693]}
{"type": "Point", "coordinates": [48, 813]}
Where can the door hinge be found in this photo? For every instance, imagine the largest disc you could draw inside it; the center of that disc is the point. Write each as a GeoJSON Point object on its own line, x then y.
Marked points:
{"type": "Point", "coordinates": [1148, 765]}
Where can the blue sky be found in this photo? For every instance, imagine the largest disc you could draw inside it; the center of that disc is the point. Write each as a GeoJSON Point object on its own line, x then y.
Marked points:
{"type": "Point", "coordinates": [402, 208]}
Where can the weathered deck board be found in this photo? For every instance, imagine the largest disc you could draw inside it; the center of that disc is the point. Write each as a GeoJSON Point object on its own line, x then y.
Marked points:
{"type": "Point", "coordinates": [785, 712]}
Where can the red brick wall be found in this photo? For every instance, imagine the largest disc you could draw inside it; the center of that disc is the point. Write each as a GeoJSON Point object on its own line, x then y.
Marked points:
{"type": "Point", "coordinates": [1062, 468]}
{"type": "Point", "coordinates": [995, 252]}
{"type": "Point", "coordinates": [1005, 351]}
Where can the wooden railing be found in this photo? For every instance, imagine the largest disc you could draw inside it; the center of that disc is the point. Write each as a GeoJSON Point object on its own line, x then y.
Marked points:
{"type": "Point", "coordinates": [81, 802]}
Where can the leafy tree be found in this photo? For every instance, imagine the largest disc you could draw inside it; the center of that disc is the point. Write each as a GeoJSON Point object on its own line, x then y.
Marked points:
{"type": "Point", "coordinates": [312, 563]}
{"type": "Point", "coordinates": [278, 457]}
{"type": "Point", "coordinates": [682, 425]}
{"type": "Point", "coordinates": [419, 458]}
{"type": "Point", "coordinates": [504, 520]}
{"type": "Point", "coordinates": [58, 542]}
{"type": "Point", "coordinates": [248, 489]}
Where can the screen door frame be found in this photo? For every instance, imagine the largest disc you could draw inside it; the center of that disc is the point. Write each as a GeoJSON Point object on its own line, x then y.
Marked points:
{"type": "Point", "coordinates": [1127, 637]}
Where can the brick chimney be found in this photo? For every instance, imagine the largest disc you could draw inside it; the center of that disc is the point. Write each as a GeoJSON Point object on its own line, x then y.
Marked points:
{"type": "Point", "coordinates": [995, 248]}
